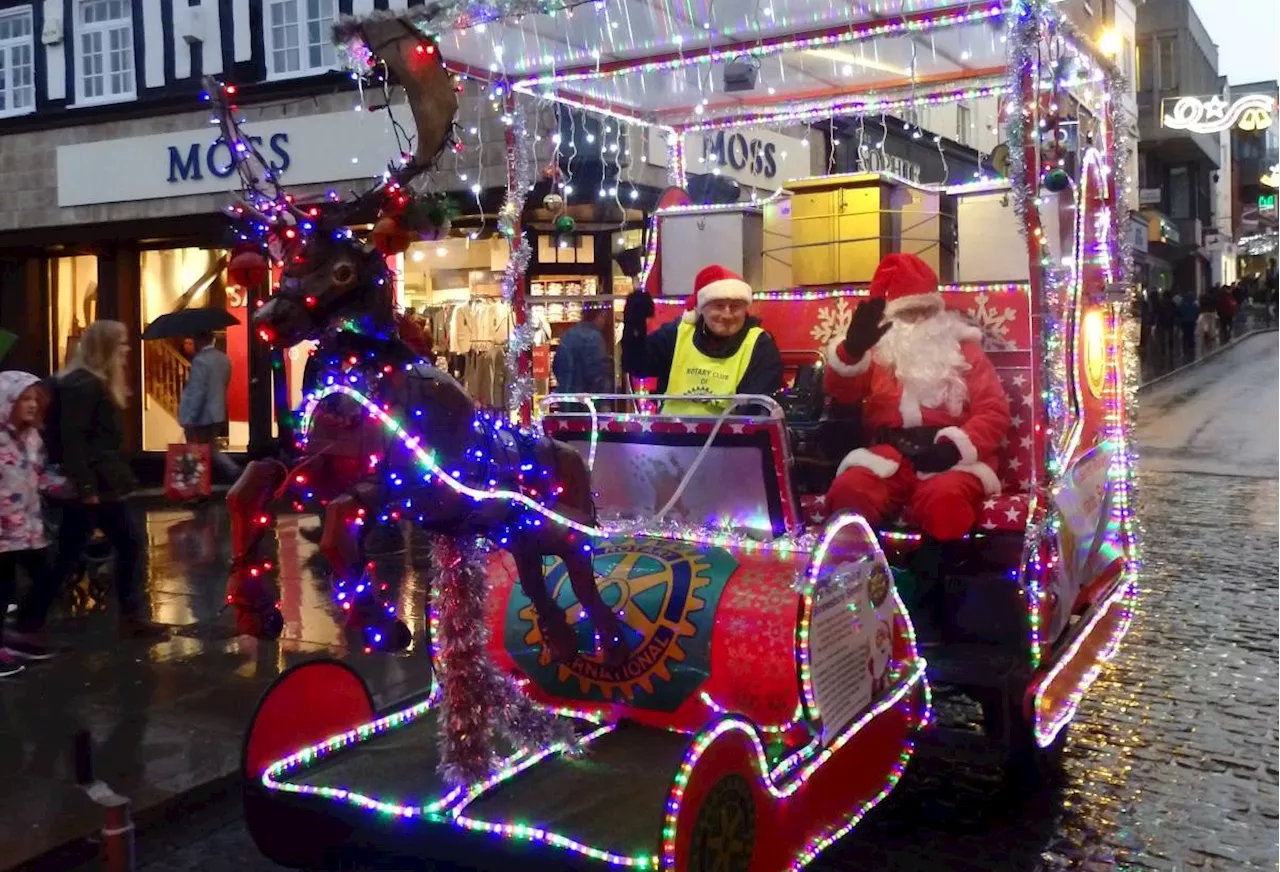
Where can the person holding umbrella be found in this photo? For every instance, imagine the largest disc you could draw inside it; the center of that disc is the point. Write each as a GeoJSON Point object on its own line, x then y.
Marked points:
{"type": "Point", "coordinates": [202, 410]}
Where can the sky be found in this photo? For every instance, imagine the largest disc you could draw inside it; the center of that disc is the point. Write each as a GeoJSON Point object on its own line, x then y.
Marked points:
{"type": "Point", "coordinates": [1248, 36]}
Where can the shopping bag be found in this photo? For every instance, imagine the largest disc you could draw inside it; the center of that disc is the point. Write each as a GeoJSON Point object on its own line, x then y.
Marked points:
{"type": "Point", "coordinates": [186, 472]}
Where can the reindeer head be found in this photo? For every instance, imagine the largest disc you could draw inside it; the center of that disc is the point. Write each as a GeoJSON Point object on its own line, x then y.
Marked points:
{"type": "Point", "coordinates": [329, 277]}
{"type": "Point", "coordinates": [329, 274]}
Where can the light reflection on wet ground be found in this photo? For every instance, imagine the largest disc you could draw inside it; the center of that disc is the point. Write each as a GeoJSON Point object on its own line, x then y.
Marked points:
{"type": "Point", "coordinates": [169, 717]}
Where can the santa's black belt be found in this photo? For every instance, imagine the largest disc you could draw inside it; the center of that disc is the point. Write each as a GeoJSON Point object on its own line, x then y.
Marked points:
{"type": "Point", "coordinates": [908, 441]}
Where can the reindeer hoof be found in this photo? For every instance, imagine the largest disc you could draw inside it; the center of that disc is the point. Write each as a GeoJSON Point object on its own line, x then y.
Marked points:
{"type": "Point", "coordinates": [613, 650]}
{"type": "Point", "coordinates": [559, 637]}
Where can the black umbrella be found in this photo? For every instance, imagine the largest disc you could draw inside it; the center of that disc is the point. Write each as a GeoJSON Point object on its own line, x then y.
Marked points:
{"type": "Point", "coordinates": [189, 322]}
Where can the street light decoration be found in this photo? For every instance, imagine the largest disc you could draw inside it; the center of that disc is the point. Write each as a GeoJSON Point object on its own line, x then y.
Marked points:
{"type": "Point", "coordinates": [1214, 114]}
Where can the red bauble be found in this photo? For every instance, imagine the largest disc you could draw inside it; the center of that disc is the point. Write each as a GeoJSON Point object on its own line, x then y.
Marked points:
{"type": "Point", "coordinates": [248, 269]}
{"type": "Point", "coordinates": [389, 237]}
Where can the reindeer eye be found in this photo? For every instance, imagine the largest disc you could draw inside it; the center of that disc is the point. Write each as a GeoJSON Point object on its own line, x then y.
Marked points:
{"type": "Point", "coordinates": [344, 273]}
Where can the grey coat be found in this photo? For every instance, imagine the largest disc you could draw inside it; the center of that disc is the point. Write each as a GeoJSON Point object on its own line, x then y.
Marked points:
{"type": "Point", "coordinates": [204, 397]}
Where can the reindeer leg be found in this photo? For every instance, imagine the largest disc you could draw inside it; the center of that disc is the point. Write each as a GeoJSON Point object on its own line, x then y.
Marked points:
{"type": "Point", "coordinates": [249, 590]}
{"type": "Point", "coordinates": [559, 638]}
{"type": "Point", "coordinates": [613, 645]}
{"type": "Point", "coordinates": [355, 584]}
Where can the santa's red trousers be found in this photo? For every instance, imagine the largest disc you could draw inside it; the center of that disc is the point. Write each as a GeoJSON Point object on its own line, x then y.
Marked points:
{"type": "Point", "coordinates": [944, 506]}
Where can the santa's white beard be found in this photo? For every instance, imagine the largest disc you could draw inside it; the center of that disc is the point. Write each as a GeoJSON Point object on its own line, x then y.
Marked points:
{"type": "Point", "coordinates": [927, 359]}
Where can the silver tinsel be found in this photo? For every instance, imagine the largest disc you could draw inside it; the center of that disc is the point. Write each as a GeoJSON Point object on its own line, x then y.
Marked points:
{"type": "Point", "coordinates": [519, 388]}
{"type": "Point", "coordinates": [441, 16]}
{"type": "Point", "coordinates": [1026, 20]}
{"type": "Point", "coordinates": [477, 701]}
{"type": "Point", "coordinates": [1118, 88]}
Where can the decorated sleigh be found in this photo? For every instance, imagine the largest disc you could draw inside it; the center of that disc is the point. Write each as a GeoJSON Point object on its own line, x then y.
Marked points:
{"type": "Point", "coordinates": [772, 688]}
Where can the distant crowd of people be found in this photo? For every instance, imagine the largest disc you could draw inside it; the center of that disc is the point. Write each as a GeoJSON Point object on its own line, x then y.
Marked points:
{"type": "Point", "coordinates": [1178, 325]}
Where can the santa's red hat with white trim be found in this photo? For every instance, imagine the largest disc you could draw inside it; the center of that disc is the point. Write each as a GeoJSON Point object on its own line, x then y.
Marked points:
{"type": "Point", "coordinates": [714, 282]}
{"type": "Point", "coordinates": [906, 282]}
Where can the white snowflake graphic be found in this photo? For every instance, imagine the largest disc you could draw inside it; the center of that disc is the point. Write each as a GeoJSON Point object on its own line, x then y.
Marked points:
{"type": "Point", "coordinates": [833, 321]}
{"type": "Point", "coordinates": [993, 323]}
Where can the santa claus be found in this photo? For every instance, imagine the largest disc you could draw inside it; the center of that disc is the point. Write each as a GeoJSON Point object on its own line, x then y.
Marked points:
{"type": "Point", "coordinates": [932, 406]}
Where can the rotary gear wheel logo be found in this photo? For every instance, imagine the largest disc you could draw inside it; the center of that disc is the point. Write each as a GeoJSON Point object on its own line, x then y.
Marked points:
{"type": "Point", "coordinates": [653, 586]}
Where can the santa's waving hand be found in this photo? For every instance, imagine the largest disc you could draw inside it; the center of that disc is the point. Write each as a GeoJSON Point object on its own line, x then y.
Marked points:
{"type": "Point", "coordinates": [932, 406]}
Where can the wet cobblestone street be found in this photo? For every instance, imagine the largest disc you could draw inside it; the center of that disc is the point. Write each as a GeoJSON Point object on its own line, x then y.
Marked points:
{"type": "Point", "coordinates": [1171, 763]}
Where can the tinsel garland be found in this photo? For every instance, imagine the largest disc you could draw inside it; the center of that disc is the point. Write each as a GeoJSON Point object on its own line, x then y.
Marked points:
{"type": "Point", "coordinates": [520, 159]}
{"type": "Point", "coordinates": [1118, 89]}
{"type": "Point", "coordinates": [1023, 36]}
{"type": "Point", "coordinates": [441, 16]}
{"type": "Point", "coordinates": [477, 701]}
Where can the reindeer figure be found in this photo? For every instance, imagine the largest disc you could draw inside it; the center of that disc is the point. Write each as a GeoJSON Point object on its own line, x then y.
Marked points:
{"type": "Point", "coordinates": [338, 290]}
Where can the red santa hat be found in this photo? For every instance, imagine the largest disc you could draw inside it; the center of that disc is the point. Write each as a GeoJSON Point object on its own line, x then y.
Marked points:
{"type": "Point", "coordinates": [906, 282]}
{"type": "Point", "coordinates": [714, 282]}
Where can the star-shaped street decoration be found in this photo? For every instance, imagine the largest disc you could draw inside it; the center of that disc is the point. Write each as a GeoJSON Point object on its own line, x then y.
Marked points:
{"type": "Point", "coordinates": [1215, 107]}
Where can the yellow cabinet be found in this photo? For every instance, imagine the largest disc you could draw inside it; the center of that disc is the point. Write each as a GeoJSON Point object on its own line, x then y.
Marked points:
{"type": "Point", "coordinates": [842, 226]}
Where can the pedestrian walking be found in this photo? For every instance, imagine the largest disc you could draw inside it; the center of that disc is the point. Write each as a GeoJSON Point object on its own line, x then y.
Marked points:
{"type": "Point", "coordinates": [1188, 314]}
{"type": "Point", "coordinates": [581, 364]}
{"type": "Point", "coordinates": [202, 409]}
{"type": "Point", "coordinates": [1167, 322]}
{"type": "Point", "coordinates": [92, 393]}
{"type": "Point", "coordinates": [23, 541]}
{"type": "Point", "coordinates": [1226, 313]}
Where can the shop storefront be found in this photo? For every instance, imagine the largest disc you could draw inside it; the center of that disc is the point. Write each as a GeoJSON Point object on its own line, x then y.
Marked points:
{"type": "Point", "coordinates": [889, 146]}
{"type": "Point", "coordinates": [126, 221]}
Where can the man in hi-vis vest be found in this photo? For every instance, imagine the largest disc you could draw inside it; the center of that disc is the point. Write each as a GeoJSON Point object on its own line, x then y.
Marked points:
{"type": "Point", "coordinates": [714, 349]}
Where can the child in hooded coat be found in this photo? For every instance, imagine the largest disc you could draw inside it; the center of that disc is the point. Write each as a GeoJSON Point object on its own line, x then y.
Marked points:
{"type": "Point", "coordinates": [23, 542]}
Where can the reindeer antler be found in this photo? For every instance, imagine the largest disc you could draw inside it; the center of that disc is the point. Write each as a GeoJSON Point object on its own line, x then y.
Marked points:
{"type": "Point", "coordinates": [415, 63]}
{"type": "Point", "coordinates": [257, 179]}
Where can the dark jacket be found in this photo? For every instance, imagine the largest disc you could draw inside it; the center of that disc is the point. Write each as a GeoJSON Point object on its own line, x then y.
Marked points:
{"type": "Point", "coordinates": [652, 358]}
{"type": "Point", "coordinates": [91, 427]}
{"type": "Point", "coordinates": [581, 364]}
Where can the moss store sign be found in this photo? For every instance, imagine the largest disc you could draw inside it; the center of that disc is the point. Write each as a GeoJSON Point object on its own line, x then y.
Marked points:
{"type": "Point", "coordinates": [756, 158]}
{"type": "Point", "coordinates": [312, 149]}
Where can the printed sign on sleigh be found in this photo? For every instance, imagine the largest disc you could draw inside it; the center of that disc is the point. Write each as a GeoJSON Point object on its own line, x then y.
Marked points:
{"type": "Point", "coordinates": [851, 642]}
{"type": "Point", "coordinates": [1088, 536]}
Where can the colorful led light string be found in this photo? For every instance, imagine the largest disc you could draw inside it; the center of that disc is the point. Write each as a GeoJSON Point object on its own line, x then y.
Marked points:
{"type": "Point", "coordinates": [806, 295]}
{"type": "Point", "coordinates": [837, 107]}
{"type": "Point", "coordinates": [435, 810]}
{"type": "Point", "coordinates": [449, 809]}
{"type": "Point", "coordinates": [772, 780]}
{"type": "Point", "coordinates": [1044, 533]}
{"type": "Point", "coordinates": [1125, 593]}
{"type": "Point", "coordinates": [782, 780]}
{"type": "Point", "coordinates": [426, 459]}
{"type": "Point", "coordinates": [1119, 393]}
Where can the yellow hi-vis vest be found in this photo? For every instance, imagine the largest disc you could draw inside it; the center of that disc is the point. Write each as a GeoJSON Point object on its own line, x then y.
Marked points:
{"type": "Point", "coordinates": [693, 374]}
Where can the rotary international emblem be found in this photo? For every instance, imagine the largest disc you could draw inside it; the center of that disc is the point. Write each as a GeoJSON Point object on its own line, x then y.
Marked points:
{"type": "Point", "coordinates": [665, 593]}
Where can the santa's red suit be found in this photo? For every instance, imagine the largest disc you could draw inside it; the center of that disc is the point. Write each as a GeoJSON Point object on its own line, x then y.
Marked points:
{"type": "Point", "coordinates": [927, 389]}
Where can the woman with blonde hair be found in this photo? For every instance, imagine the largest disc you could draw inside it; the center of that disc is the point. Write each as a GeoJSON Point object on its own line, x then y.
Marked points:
{"type": "Point", "coordinates": [87, 439]}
